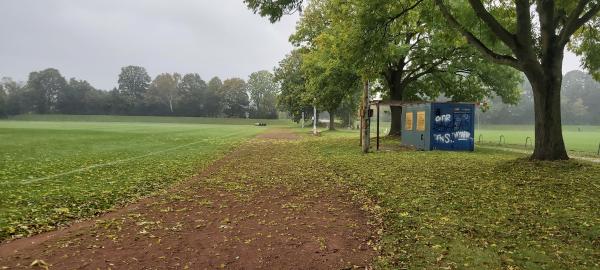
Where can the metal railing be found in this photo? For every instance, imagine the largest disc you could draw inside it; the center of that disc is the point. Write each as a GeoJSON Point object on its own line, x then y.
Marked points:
{"type": "Point", "coordinates": [528, 139]}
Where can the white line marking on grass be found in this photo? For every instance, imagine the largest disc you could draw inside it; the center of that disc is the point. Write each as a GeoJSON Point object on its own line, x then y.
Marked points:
{"type": "Point", "coordinates": [595, 160]}
{"type": "Point", "coordinates": [29, 181]}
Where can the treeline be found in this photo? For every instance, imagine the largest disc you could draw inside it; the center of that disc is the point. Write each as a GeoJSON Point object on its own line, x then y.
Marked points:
{"type": "Point", "coordinates": [168, 94]}
{"type": "Point", "coordinates": [580, 103]}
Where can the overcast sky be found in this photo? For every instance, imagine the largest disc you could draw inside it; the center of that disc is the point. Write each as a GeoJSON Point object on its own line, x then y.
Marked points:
{"type": "Point", "coordinates": [93, 39]}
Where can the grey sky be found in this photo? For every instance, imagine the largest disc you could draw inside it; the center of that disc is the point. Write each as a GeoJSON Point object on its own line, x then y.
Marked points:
{"type": "Point", "coordinates": [93, 39]}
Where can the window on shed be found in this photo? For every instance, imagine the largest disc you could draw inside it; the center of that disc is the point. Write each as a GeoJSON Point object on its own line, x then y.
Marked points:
{"type": "Point", "coordinates": [408, 121]}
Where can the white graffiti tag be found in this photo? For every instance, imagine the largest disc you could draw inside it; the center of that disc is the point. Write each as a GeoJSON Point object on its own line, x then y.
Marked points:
{"type": "Point", "coordinates": [443, 118]}
{"type": "Point", "coordinates": [462, 135]}
{"type": "Point", "coordinates": [443, 138]}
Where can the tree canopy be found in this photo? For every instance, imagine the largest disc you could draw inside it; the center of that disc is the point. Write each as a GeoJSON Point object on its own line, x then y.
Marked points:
{"type": "Point", "coordinates": [528, 36]}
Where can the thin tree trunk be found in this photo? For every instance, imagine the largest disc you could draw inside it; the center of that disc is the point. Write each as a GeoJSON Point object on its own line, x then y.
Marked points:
{"type": "Point", "coordinates": [331, 121]}
{"type": "Point", "coordinates": [366, 132]}
{"type": "Point", "coordinates": [549, 143]}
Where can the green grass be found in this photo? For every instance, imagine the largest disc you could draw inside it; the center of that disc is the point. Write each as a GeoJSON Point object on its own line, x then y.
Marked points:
{"type": "Point", "coordinates": [577, 138]}
{"type": "Point", "coordinates": [148, 119]}
{"type": "Point", "coordinates": [487, 209]}
{"type": "Point", "coordinates": [55, 171]}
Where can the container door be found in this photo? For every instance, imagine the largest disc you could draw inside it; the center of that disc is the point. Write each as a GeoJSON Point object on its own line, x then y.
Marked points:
{"type": "Point", "coordinates": [421, 129]}
{"type": "Point", "coordinates": [442, 127]}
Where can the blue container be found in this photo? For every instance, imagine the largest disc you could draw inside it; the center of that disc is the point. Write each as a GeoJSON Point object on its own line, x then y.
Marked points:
{"type": "Point", "coordinates": [439, 126]}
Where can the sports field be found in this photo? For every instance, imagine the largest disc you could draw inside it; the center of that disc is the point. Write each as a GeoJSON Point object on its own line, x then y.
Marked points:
{"type": "Point", "coordinates": [55, 171]}
{"type": "Point", "coordinates": [577, 138]}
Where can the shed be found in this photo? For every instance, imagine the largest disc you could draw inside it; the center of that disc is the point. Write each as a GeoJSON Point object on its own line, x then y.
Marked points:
{"type": "Point", "coordinates": [439, 126]}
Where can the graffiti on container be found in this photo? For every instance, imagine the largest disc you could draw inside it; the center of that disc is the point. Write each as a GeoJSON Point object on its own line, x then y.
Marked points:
{"type": "Point", "coordinates": [443, 138]}
{"type": "Point", "coordinates": [451, 128]}
{"type": "Point", "coordinates": [462, 135]}
{"type": "Point", "coordinates": [443, 118]}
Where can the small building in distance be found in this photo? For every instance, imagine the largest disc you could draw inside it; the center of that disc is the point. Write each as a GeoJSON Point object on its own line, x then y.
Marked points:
{"type": "Point", "coordinates": [439, 126]}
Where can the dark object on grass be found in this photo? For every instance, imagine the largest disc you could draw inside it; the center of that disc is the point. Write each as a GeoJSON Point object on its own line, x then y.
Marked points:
{"type": "Point", "coordinates": [260, 124]}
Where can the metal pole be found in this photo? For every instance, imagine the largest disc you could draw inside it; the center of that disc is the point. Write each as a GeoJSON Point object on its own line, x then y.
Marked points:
{"type": "Point", "coordinates": [378, 125]}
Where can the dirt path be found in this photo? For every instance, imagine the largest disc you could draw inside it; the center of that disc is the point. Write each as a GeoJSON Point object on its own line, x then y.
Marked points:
{"type": "Point", "coordinates": [262, 206]}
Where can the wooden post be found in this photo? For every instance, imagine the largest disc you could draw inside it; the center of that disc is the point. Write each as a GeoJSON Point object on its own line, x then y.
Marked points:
{"type": "Point", "coordinates": [378, 124]}
{"type": "Point", "coordinates": [360, 113]}
{"type": "Point", "coordinates": [366, 121]}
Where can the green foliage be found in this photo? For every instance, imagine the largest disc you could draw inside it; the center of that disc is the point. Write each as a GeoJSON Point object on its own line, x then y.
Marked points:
{"type": "Point", "coordinates": [61, 176]}
{"type": "Point", "coordinates": [162, 93]}
{"type": "Point", "coordinates": [293, 96]}
{"type": "Point", "coordinates": [3, 101]}
{"type": "Point", "coordinates": [235, 97]}
{"type": "Point", "coordinates": [44, 88]}
{"type": "Point", "coordinates": [74, 95]}
{"type": "Point", "coordinates": [191, 92]}
{"type": "Point", "coordinates": [274, 9]}
{"type": "Point", "coordinates": [212, 99]}
{"type": "Point", "coordinates": [585, 44]}
{"type": "Point", "coordinates": [133, 83]}
{"type": "Point", "coordinates": [263, 91]}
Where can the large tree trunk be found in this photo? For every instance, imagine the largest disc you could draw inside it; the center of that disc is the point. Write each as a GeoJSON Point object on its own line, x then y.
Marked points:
{"type": "Point", "coordinates": [331, 120]}
{"type": "Point", "coordinates": [394, 80]}
{"type": "Point", "coordinates": [549, 143]}
{"type": "Point", "coordinates": [396, 125]}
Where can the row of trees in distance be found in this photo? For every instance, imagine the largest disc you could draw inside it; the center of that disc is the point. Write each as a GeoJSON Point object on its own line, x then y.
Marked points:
{"type": "Point", "coordinates": [580, 103]}
{"type": "Point", "coordinates": [47, 91]}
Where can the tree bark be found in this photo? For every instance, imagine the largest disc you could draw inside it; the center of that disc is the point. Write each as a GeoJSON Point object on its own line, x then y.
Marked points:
{"type": "Point", "coordinates": [394, 80]}
{"type": "Point", "coordinates": [365, 127]}
{"type": "Point", "coordinates": [331, 120]}
{"type": "Point", "coordinates": [549, 143]}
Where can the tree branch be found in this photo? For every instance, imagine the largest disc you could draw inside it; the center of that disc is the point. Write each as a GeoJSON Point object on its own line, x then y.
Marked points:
{"type": "Point", "coordinates": [486, 52]}
{"type": "Point", "coordinates": [574, 22]}
{"type": "Point", "coordinates": [507, 37]}
{"type": "Point", "coordinates": [524, 36]}
{"type": "Point", "coordinates": [402, 13]}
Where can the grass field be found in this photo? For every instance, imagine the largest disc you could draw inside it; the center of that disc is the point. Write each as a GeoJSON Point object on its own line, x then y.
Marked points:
{"type": "Point", "coordinates": [487, 209]}
{"type": "Point", "coordinates": [147, 119]}
{"type": "Point", "coordinates": [55, 171]}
